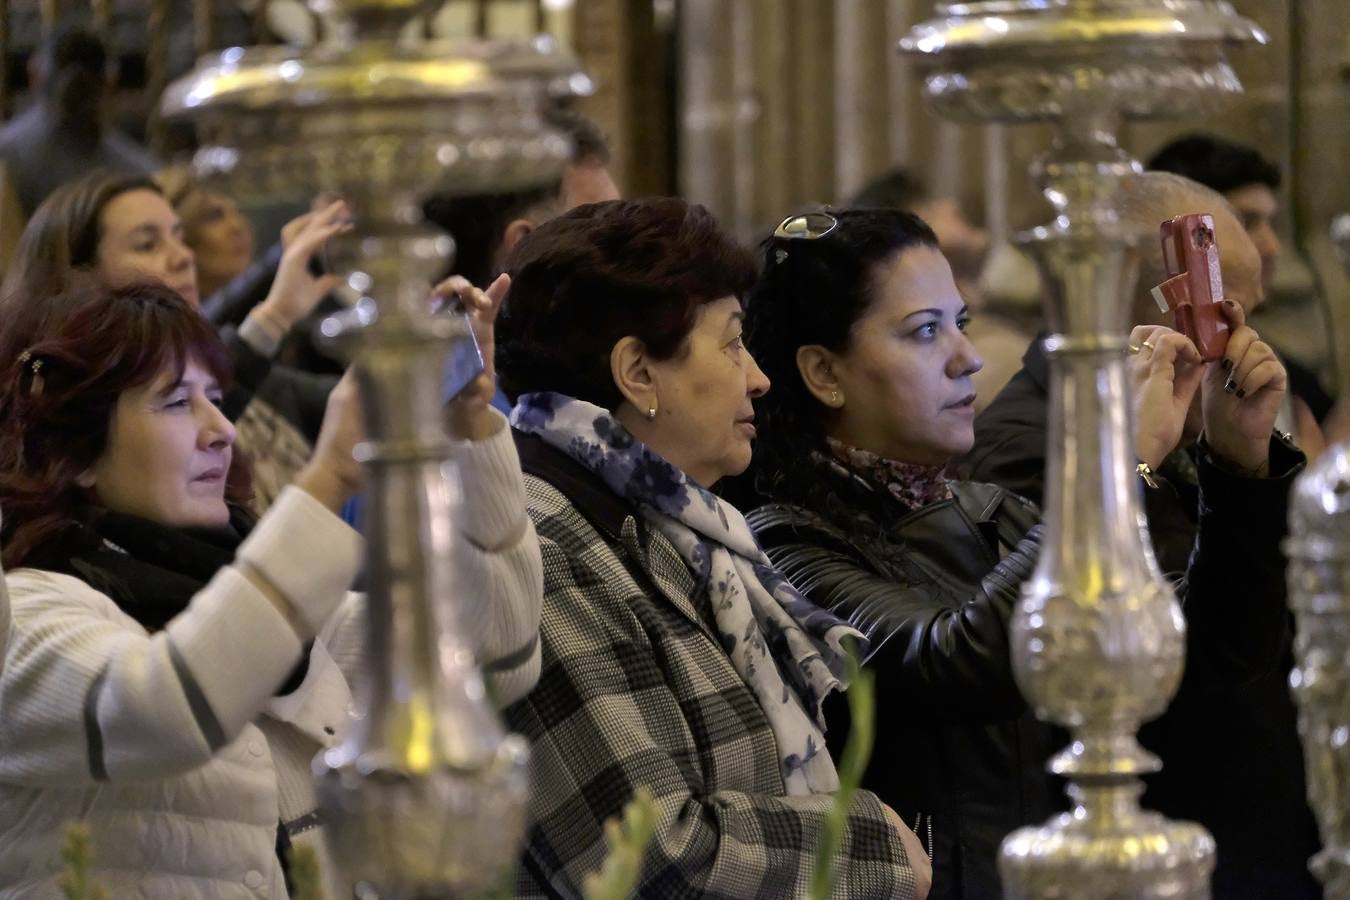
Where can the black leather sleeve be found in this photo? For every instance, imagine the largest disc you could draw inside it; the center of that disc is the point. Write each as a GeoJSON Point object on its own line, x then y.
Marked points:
{"type": "Point", "coordinates": [1234, 593]}
{"type": "Point", "coordinates": [951, 662]}
{"type": "Point", "coordinates": [231, 304]}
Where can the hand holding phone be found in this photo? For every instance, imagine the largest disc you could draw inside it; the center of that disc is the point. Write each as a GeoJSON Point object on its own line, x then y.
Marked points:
{"type": "Point", "coordinates": [470, 376]}
{"type": "Point", "coordinates": [1194, 286]}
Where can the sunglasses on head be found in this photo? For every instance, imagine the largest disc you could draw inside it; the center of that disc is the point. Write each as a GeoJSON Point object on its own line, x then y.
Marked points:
{"type": "Point", "coordinates": [806, 227]}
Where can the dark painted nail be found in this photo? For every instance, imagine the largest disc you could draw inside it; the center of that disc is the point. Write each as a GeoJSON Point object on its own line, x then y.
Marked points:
{"type": "Point", "coordinates": [1241, 393]}
{"type": "Point", "coordinates": [1230, 385]}
{"type": "Point", "coordinates": [1231, 304]}
{"type": "Point", "coordinates": [1227, 364]}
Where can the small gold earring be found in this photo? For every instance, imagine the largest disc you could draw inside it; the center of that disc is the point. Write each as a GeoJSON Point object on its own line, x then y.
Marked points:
{"type": "Point", "coordinates": [651, 412]}
{"type": "Point", "coordinates": [834, 398]}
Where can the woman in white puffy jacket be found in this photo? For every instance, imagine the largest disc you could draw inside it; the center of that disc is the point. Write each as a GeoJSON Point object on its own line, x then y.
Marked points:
{"type": "Point", "coordinates": [171, 668]}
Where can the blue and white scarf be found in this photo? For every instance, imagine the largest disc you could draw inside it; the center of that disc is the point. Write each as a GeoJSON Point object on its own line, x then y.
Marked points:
{"type": "Point", "coordinates": [788, 650]}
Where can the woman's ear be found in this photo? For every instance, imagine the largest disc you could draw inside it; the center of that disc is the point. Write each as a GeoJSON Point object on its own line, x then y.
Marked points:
{"type": "Point", "coordinates": [515, 232]}
{"type": "Point", "coordinates": [816, 366]}
{"type": "Point", "coordinates": [630, 367]}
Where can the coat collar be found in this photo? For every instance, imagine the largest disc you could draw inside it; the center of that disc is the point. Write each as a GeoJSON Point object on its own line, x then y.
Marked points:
{"type": "Point", "coordinates": [602, 507]}
{"type": "Point", "coordinates": [618, 520]}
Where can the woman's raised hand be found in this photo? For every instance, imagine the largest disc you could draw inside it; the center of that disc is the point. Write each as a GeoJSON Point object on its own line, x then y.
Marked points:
{"type": "Point", "coordinates": [1241, 397]}
{"type": "Point", "coordinates": [332, 474]}
{"type": "Point", "coordinates": [469, 415]}
{"type": "Point", "coordinates": [295, 290]}
{"type": "Point", "coordinates": [1164, 369]}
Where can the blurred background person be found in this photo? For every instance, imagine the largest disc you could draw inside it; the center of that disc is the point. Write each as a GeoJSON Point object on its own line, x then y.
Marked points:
{"type": "Point", "coordinates": [65, 132]}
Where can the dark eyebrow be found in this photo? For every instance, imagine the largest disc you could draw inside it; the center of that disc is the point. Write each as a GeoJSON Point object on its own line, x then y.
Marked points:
{"type": "Point", "coordinates": [210, 385]}
{"type": "Point", "coordinates": [934, 311]}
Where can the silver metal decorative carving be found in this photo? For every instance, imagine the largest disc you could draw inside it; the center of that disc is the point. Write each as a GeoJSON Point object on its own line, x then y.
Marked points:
{"type": "Point", "coordinates": [426, 797]}
{"type": "Point", "coordinates": [1098, 638]}
{"type": "Point", "coordinates": [1319, 592]}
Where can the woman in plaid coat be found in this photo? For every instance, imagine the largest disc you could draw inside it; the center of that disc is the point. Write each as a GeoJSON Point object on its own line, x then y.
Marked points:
{"type": "Point", "coordinates": [673, 655]}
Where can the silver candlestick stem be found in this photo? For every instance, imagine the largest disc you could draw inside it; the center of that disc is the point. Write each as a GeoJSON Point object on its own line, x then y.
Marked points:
{"type": "Point", "coordinates": [1098, 638]}
{"type": "Point", "coordinates": [426, 796]}
{"type": "Point", "coordinates": [1319, 592]}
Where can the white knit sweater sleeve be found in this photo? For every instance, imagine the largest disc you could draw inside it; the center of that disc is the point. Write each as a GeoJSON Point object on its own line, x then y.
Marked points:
{"type": "Point", "coordinates": [497, 566]}
{"type": "Point", "coordinates": [87, 695]}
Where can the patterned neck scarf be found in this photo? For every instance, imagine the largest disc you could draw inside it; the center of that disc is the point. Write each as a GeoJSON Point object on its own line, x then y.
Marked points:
{"type": "Point", "coordinates": [788, 650]}
{"type": "Point", "coordinates": [913, 485]}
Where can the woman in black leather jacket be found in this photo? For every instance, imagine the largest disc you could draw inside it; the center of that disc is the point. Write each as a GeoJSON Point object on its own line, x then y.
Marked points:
{"type": "Point", "coordinates": [858, 323]}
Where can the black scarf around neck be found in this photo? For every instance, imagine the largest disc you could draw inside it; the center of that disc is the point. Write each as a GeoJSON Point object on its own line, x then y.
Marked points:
{"type": "Point", "coordinates": [151, 571]}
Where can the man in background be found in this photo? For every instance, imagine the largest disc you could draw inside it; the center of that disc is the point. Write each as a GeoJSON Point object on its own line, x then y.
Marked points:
{"type": "Point", "coordinates": [487, 227]}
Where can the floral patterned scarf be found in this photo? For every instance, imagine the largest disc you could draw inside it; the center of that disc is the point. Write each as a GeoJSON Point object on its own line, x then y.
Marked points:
{"type": "Point", "coordinates": [913, 485]}
{"type": "Point", "coordinates": [788, 650]}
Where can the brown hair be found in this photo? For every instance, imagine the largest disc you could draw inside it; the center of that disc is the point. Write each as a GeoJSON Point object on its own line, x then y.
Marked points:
{"type": "Point", "coordinates": [61, 375]}
{"type": "Point", "coordinates": [605, 271]}
{"type": "Point", "coordinates": [63, 235]}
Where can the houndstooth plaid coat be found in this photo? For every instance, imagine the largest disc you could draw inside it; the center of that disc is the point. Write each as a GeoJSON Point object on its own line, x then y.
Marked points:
{"type": "Point", "coordinates": [636, 690]}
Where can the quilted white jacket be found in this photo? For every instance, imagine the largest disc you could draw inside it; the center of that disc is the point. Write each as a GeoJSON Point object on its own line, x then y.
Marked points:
{"type": "Point", "coordinates": [172, 746]}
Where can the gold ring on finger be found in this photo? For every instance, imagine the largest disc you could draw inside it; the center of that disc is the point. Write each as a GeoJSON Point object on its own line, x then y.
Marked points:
{"type": "Point", "coordinates": [1149, 345]}
{"type": "Point", "coordinates": [1134, 348]}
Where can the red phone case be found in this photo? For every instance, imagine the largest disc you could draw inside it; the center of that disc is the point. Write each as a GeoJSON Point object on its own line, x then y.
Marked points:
{"type": "Point", "coordinates": [1195, 284]}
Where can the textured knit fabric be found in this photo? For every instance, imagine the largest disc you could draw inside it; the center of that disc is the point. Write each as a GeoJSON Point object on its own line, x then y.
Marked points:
{"type": "Point", "coordinates": [636, 690]}
{"type": "Point", "coordinates": [788, 650]}
{"type": "Point", "coordinates": [171, 746]}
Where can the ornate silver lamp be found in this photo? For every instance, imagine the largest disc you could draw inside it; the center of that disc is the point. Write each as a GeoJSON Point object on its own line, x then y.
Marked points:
{"type": "Point", "coordinates": [1319, 592]}
{"type": "Point", "coordinates": [1098, 637]}
{"type": "Point", "coordinates": [426, 797]}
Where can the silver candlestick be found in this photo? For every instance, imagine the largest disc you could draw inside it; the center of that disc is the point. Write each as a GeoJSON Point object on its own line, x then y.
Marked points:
{"type": "Point", "coordinates": [1319, 592]}
{"type": "Point", "coordinates": [1098, 637]}
{"type": "Point", "coordinates": [426, 796]}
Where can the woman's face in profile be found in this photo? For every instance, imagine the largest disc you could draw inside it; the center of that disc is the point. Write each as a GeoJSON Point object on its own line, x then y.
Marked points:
{"type": "Point", "coordinates": [168, 453]}
{"type": "Point", "coordinates": [142, 238]}
{"type": "Point", "coordinates": [906, 375]}
{"type": "Point", "coordinates": [705, 414]}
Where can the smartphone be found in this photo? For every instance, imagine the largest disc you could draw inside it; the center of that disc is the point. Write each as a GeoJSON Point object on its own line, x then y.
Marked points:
{"type": "Point", "coordinates": [464, 362]}
{"type": "Point", "coordinates": [1194, 286]}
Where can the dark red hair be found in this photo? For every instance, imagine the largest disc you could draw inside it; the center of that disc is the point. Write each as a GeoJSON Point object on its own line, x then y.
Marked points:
{"type": "Point", "coordinates": [61, 375]}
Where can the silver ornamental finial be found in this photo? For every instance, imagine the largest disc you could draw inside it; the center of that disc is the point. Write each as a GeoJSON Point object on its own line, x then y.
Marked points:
{"type": "Point", "coordinates": [426, 797]}
{"type": "Point", "coordinates": [1097, 638]}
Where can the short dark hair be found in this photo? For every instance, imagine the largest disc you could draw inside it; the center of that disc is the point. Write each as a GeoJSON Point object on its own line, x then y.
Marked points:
{"type": "Point", "coordinates": [478, 222]}
{"type": "Point", "coordinates": [897, 189]}
{"type": "Point", "coordinates": [605, 271]}
{"type": "Point", "coordinates": [812, 292]}
{"type": "Point", "coordinates": [1218, 164]}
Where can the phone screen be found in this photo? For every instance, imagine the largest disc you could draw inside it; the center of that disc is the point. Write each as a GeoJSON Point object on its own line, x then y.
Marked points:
{"type": "Point", "coordinates": [463, 364]}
